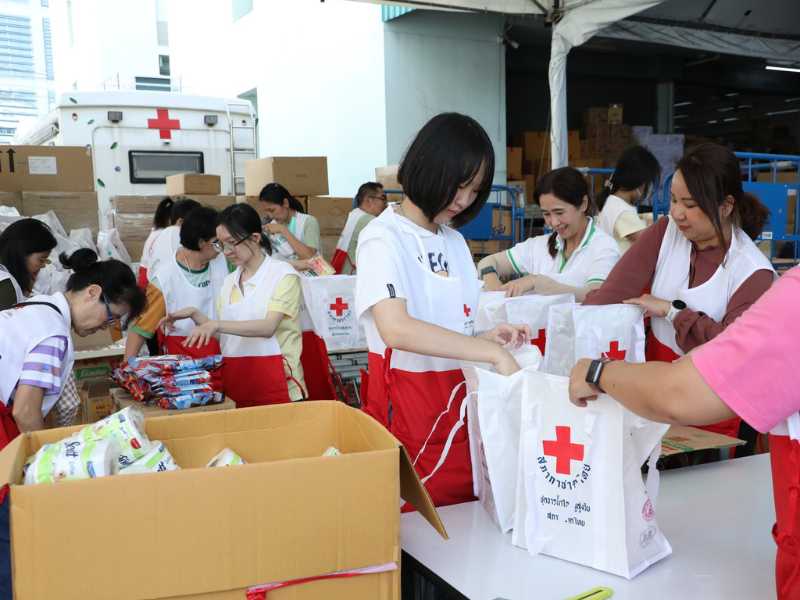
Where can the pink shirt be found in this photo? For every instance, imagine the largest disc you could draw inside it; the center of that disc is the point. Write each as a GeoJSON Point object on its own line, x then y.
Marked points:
{"type": "Point", "coordinates": [754, 365]}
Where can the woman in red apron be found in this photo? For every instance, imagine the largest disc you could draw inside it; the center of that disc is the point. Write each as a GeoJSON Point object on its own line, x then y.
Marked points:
{"type": "Point", "coordinates": [35, 336]}
{"type": "Point", "coordinates": [751, 370]}
{"type": "Point", "coordinates": [701, 266]}
{"type": "Point", "coordinates": [417, 296]}
{"type": "Point", "coordinates": [258, 308]}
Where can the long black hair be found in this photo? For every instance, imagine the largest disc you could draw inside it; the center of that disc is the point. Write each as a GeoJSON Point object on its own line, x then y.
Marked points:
{"type": "Point", "coordinates": [19, 240]}
{"type": "Point", "coordinates": [163, 216]}
{"type": "Point", "coordinates": [275, 193]}
{"type": "Point", "coordinates": [181, 208]}
{"type": "Point", "coordinates": [242, 221]}
{"type": "Point", "coordinates": [446, 154]}
{"type": "Point", "coordinates": [635, 168]}
{"type": "Point", "coordinates": [568, 185]}
{"type": "Point", "coordinates": [113, 276]}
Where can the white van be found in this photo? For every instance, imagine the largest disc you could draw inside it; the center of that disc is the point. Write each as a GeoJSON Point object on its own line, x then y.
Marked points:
{"type": "Point", "coordinates": [138, 138]}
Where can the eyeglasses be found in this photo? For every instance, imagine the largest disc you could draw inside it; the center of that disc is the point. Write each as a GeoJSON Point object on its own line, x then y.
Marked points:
{"type": "Point", "coordinates": [111, 318]}
{"type": "Point", "coordinates": [225, 247]}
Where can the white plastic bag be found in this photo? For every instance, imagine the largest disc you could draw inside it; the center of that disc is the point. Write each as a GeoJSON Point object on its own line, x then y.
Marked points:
{"type": "Point", "coordinates": [615, 331]}
{"type": "Point", "coordinates": [156, 460]}
{"type": "Point", "coordinates": [72, 458]}
{"type": "Point", "coordinates": [52, 221]}
{"type": "Point", "coordinates": [109, 245]}
{"type": "Point", "coordinates": [226, 458]}
{"type": "Point", "coordinates": [8, 211]}
{"type": "Point", "coordinates": [126, 428]}
{"type": "Point", "coordinates": [83, 238]}
{"type": "Point", "coordinates": [330, 306]}
{"type": "Point", "coordinates": [580, 493]}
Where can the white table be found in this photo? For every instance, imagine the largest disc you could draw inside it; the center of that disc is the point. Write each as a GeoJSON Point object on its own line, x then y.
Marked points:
{"type": "Point", "coordinates": [717, 516]}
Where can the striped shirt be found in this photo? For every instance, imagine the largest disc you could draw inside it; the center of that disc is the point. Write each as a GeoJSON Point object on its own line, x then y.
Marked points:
{"type": "Point", "coordinates": [43, 366]}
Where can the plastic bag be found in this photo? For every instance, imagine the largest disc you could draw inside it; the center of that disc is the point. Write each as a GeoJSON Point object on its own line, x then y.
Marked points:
{"type": "Point", "coordinates": [226, 458]}
{"type": "Point", "coordinates": [83, 238]}
{"type": "Point", "coordinates": [109, 245]}
{"type": "Point", "coordinates": [157, 459]}
{"type": "Point", "coordinates": [126, 428]}
{"type": "Point", "coordinates": [73, 458]}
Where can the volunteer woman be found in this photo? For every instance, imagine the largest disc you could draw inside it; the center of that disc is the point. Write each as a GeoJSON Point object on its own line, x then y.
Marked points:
{"type": "Point", "coordinates": [161, 220]}
{"type": "Point", "coordinates": [574, 259]}
{"type": "Point", "coordinates": [294, 235]}
{"type": "Point", "coordinates": [25, 246]}
{"type": "Point", "coordinates": [701, 265]}
{"type": "Point", "coordinates": [166, 243]}
{"type": "Point", "coordinates": [258, 308]}
{"type": "Point", "coordinates": [637, 173]}
{"type": "Point", "coordinates": [751, 370]}
{"type": "Point", "coordinates": [417, 294]}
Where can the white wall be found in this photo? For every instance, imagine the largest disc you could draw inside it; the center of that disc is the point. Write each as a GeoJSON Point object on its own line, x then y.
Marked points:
{"type": "Point", "coordinates": [442, 62]}
{"type": "Point", "coordinates": [318, 69]}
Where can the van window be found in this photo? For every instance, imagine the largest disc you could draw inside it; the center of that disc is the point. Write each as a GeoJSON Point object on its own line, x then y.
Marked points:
{"type": "Point", "coordinates": [153, 166]}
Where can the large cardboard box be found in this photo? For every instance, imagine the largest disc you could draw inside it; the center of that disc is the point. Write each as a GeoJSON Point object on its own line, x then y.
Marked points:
{"type": "Point", "coordinates": [501, 221]}
{"type": "Point", "coordinates": [136, 204]}
{"type": "Point", "coordinates": [387, 177]}
{"type": "Point", "coordinates": [780, 177]}
{"type": "Point", "coordinates": [183, 184]}
{"type": "Point", "coordinates": [200, 533]}
{"type": "Point", "coordinates": [73, 209]}
{"type": "Point", "coordinates": [301, 175]}
{"type": "Point", "coordinates": [46, 169]}
{"type": "Point", "coordinates": [96, 403]}
{"type": "Point", "coordinates": [514, 163]}
{"type": "Point", "coordinates": [12, 199]}
{"type": "Point", "coordinates": [331, 212]}
{"type": "Point", "coordinates": [486, 247]}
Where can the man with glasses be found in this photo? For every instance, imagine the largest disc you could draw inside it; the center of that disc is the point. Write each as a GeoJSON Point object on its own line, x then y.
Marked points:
{"type": "Point", "coordinates": [370, 202]}
{"type": "Point", "coordinates": [193, 278]}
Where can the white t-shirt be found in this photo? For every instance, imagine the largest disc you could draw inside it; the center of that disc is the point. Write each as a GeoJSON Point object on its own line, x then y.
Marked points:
{"type": "Point", "coordinates": [591, 262]}
{"type": "Point", "coordinates": [147, 249]}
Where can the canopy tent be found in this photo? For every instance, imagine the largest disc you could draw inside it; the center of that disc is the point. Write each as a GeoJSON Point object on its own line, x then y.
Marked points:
{"type": "Point", "coordinates": [730, 27]}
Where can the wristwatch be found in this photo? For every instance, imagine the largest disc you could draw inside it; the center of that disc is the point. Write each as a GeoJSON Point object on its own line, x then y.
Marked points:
{"type": "Point", "coordinates": [486, 270]}
{"type": "Point", "coordinates": [594, 373]}
{"type": "Point", "coordinates": [677, 306]}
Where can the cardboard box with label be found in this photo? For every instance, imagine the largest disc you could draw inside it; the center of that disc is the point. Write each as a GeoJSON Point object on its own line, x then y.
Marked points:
{"type": "Point", "coordinates": [197, 533]}
{"type": "Point", "coordinates": [301, 175]}
{"type": "Point", "coordinates": [331, 212]}
{"type": "Point", "coordinates": [73, 209]}
{"type": "Point", "coordinates": [514, 163]}
{"type": "Point", "coordinates": [184, 184]}
{"type": "Point", "coordinates": [46, 169]}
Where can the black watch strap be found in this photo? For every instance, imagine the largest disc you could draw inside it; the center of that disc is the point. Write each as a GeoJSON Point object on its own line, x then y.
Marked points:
{"type": "Point", "coordinates": [594, 373]}
{"type": "Point", "coordinates": [486, 270]}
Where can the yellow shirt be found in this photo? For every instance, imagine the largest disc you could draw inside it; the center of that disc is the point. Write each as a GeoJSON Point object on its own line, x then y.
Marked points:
{"type": "Point", "coordinates": [286, 299]}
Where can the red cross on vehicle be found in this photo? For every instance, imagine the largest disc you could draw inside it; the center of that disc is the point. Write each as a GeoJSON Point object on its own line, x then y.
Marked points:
{"type": "Point", "coordinates": [563, 450]}
{"type": "Point", "coordinates": [163, 123]}
{"type": "Point", "coordinates": [614, 352]}
{"type": "Point", "coordinates": [339, 307]}
{"type": "Point", "coordinates": [467, 310]}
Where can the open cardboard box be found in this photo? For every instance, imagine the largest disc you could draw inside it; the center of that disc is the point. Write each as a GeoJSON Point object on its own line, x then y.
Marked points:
{"type": "Point", "coordinates": [210, 534]}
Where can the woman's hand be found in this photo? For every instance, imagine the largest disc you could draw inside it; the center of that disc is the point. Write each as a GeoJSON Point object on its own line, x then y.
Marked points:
{"type": "Point", "coordinates": [504, 363]}
{"type": "Point", "coordinates": [654, 307]}
{"type": "Point", "coordinates": [167, 323]}
{"type": "Point", "coordinates": [580, 391]}
{"type": "Point", "coordinates": [301, 264]}
{"type": "Point", "coordinates": [492, 283]}
{"type": "Point", "coordinates": [201, 335]}
{"type": "Point", "coordinates": [276, 228]}
{"type": "Point", "coordinates": [508, 336]}
{"type": "Point", "coordinates": [520, 286]}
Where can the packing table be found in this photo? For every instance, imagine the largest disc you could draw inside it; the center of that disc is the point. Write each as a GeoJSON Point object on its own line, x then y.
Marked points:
{"type": "Point", "coordinates": [717, 516]}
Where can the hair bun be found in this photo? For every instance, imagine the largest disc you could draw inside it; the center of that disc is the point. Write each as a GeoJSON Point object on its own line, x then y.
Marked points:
{"type": "Point", "coordinates": [80, 260]}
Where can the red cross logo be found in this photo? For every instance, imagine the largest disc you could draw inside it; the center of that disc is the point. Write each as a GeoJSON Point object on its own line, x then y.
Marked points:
{"type": "Point", "coordinates": [540, 341]}
{"type": "Point", "coordinates": [339, 307]}
{"type": "Point", "coordinates": [564, 450]}
{"type": "Point", "coordinates": [467, 310]}
{"type": "Point", "coordinates": [614, 352]}
{"type": "Point", "coordinates": [163, 123]}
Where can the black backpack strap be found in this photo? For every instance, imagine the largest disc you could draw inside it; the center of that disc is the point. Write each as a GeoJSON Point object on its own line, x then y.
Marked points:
{"type": "Point", "coordinates": [24, 304]}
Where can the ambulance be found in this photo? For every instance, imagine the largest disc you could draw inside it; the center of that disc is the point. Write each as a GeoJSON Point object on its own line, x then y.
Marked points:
{"type": "Point", "coordinates": [138, 138]}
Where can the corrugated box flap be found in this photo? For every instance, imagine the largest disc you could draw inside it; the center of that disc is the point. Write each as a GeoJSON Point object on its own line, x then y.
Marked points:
{"type": "Point", "coordinates": [412, 491]}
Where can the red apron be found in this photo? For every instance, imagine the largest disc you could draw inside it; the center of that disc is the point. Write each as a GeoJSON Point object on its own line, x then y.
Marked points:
{"type": "Point", "coordinates": [785, 459]}
{"type": "Point", "coordinates": [142, 279]}
{"type": "Point", "coordinates": [655, 350]}
{"type": "Point", "coordinates": [270, 385]}
{"type": "Point", "coordinates": [415, 402]}
{"type": "Point", "coordinates": [317, 368]}
{"type": "Point", "coordinates": [340, 260]}
{"type": "Point", "coordinates": [8, 431]}
{"type": "Point", "coordinates": [173, 344]}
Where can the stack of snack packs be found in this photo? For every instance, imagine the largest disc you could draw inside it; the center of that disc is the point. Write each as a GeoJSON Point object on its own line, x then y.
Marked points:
{"type": "Point", "coordinates": [116, 444]}
{"type": "Point", "coordinates": [226, 458]}
{"type": "Point", "coordinates": [172, 381]}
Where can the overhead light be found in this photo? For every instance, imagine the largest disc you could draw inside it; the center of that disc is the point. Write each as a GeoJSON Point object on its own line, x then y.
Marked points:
{"type": "Point", "coordinates": [792, 99]}
{"type": "Point", "coordinates": [732, 94]}
{"type": "Point", "coordinates": [713, 122]}
{"type": "Point", "coordinates": [686, 103]}
{"type": "Point", "coordinates": [791, 111]}
{"type": "Point", "coordinates": [777, 68]}
{"type": "Point", "coordinates": [726, 109]}
{"type": "Point", "coordinates": [679, 116]}
{"type": "Point", "coordinates": [729, 119]}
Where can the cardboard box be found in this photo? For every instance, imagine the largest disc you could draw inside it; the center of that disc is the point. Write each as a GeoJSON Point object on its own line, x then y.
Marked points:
{"type": "Point", "coordinates": [522, 197]}
{"type": "Point", "coordinates": [780, 177]}
{"type": "Point", "coordinates": [73, 209]}
{"type": "Point", "coordinates": [133, 226]}
{"type": "Point", "coordinates": [12, 199]}
{"type": "Point", "coordinates": [135, 249]}
{"type": "Point", "coordinates": [183, 184]}
{"type": "Point", "coordinates": [530, 188]}
{"type": "Point", "coordinates": [136, 204]}
{"type": "Point", "coordinates": [514, 163]}
{"type": "Point", "coordinates": [615, 114]}
{"type": "Point", "coordinates": [501, 221]}
{"type": "Point", "coordinates": [486, 247]}
{"type": "Point", "coordinates": [331, 213]}
{"type": "Point", "coordinates": [219, 203]}
{"type": "Point", "coordinates": [303, 176]}
{"type": "Point", "coordinates": [680, 439]}
{"type": "Point", "coordinates": [200, 533]}
{"type": "Point", "coordinates": [96, 403]}
{"type": "Point", "coordinates": [46, 169]}
{"type": "Point", "coordinates": [387, 177]}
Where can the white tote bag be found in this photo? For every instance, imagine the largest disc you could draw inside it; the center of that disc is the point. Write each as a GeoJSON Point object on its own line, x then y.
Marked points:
{"type": "Point", "coordinates": [615, 331]}
{"type": "Point", "coordinates": [493, 417]}
{"type": "Point", "coordinates": [580, 492]}
{"type": "Point", "coordinates": [330, 307]}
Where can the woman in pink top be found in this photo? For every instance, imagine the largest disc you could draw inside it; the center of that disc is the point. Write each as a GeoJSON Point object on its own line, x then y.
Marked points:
{"type": "Point", "coordinates": [750, 370]}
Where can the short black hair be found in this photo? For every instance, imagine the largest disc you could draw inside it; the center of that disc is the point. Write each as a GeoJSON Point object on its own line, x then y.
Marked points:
{"type": "Point", "coordinates": [199, 224]}
{"type": "Point", "coordinates": [182, 207]}
{"type": "Point", "coordinates": [113, 276]}
{"type": "Point", "coordinates": [163, 215]}
{"type": "Point", "coordinates": [275, 193]}
{"type": "Point", "coordinates": [17, 242]}
{"type": "Point", "coordinates": [636, 167]}
{"type": "Point", "coordinates": [446, 154]}
{"type": "Point", "coordinates": [365, 189]}
{"type": "Point", "coordinates": [242, 221]}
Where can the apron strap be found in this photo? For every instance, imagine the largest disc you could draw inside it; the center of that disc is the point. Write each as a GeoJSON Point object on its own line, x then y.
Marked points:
{"type": "Point", "coordinates": [24, 304]}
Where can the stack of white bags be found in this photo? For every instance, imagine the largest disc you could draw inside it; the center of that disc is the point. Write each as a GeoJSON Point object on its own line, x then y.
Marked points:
{"type": "Point", "coordinates": [567, 480]}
